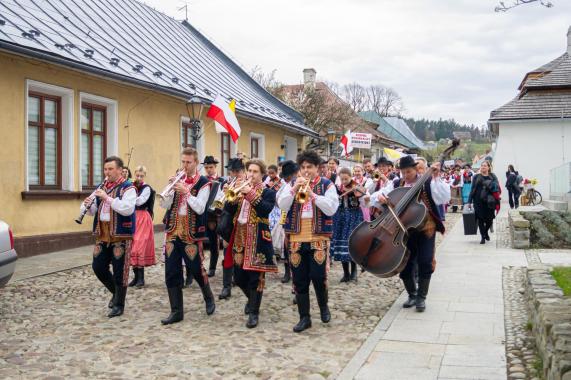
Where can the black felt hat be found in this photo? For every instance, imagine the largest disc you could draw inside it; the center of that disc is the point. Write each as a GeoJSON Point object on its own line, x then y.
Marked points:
{"type": "Point", "coordinates": [289, 168]}
{"type": "Point", "coordinates": [235, 164]}
{"type": "Point", "coordinates": [210, 160]}
{"type": "Point", "coordinates": [407, 162]}
{"type": "Point", "coordinates": [384, 161]}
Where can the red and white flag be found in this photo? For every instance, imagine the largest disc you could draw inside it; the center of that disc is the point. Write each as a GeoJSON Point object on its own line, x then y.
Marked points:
{"type": "Point", "coordinates": [224, 116]}
{"type": "Point", "coordinates": [346, 144]}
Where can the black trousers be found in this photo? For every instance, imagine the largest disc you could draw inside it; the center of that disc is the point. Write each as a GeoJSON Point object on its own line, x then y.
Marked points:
{"type": "Point", "coordinates": [421, 249]}
{"type": "Point", "coordinates": [309, 262]}
{"type": "Point", "coordinates": [116, 255]}
{"type": "Point", "coordinates": [513, 197]}
{"type": "Point", "coordinates": [177, 251]}
{"type": "Point", "coordinates": [484, 225]}
{"type": "Point", "coordinates": [213, 244]}
{"type": "Point", "coordinates": [247, 279]}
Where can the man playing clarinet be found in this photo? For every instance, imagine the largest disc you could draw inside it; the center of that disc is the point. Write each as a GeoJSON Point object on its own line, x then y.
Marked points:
{"type": "Point", "coordinates": [113, 227]}
{"type": "Point", "coordinates": [185, 222]}
{"type": "Point", "coordinates": [310, 203]}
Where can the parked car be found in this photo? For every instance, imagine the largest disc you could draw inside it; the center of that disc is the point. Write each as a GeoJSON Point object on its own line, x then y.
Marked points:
{"type": "Point", "coordinates": [8, 255]}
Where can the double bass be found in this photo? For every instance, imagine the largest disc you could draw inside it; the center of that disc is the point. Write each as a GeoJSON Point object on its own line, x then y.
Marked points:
{"type": "Point", "coordinates": [379, 246]}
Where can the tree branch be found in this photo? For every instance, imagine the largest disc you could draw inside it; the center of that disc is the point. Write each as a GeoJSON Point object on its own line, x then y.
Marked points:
{"type": "Point", "coordinates": [503, 7]}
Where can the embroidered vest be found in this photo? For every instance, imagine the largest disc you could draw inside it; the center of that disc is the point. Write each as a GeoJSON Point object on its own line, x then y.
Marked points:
{"type": "Point", "coordinates": [426, 198]}
{"type": "Point", "coordinates": [149, 205]}
{"type": "Point", "coordinates": [322, 224]}
{"type": "Point", "coordinates": [119, 226]}
{"type": "Point", "coordinates": [195, 224]}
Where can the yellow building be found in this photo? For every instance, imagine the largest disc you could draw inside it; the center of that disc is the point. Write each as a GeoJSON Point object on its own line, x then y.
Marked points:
{"type": "Point", "coordinates": [79, 85]}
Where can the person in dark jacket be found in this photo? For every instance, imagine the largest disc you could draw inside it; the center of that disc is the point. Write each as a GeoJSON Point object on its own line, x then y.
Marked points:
{"type": "Point", "coordinates": [512, 185]}
{"type": "Point", "coordinates": [485, 197]}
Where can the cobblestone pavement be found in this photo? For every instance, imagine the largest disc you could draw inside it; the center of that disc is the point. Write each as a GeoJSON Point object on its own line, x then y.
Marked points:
{"type": "Point", "coordinates": [520, 346]}
{"type": "Point", "coordinates": [55, 326]}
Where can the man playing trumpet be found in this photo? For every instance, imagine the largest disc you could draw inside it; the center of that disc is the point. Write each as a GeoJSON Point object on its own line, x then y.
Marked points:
{"type": "Point", "coordinates": [113, 227]}
{"type": "Point", "coordinates": [310, 203]}
{"type": "Point", "coordinates": [251, 240]}
{"type": "Point", "coordinates": [185, 222]}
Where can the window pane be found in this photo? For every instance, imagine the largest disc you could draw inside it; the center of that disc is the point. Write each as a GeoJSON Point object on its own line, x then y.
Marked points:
{"type": "Point", "coordinates": [97, 159]}
{"type": "Point", "coordinates": [33, 109]}
{"type": "Point", "coordinates": [33, 156]}
{"type": "Point", "coordinates": [85, 159]}
{"type": "Point", "coordinates": [50, 156]}
{"type": "Point", "coordinates": [50, 111]}
{"type": "Point", "coordinates": [182, 136]}
{"type": "Point", "coordinates": [225, 142]}
{"type": "Point", "coordinates": [97, 121]}
{"type": "Point", "coordinates": [85, 118]}
{"type": "Point", "coordinates": [189, 140]}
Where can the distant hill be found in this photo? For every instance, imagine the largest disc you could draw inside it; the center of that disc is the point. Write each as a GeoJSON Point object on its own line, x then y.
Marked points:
{"type": "Point", "coordinates": [434, 130]}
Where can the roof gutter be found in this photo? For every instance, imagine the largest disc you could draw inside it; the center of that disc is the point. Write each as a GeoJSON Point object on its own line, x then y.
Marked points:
{"type": "Point", "coordinates": [33, 53]}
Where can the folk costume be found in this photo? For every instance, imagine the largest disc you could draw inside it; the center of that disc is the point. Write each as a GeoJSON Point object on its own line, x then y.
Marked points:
{"type": "Point", "coordinates": [467, 175]}
{"type": "Point", "coordinates": [421, 242]}
{"type": "Point", "coordinates": [185, 222]}
{"type": "Point", "coordinates": [308, 228]}
{"type": "Point", "coordinates": [143, 251]}
{"type": "Point", "coordinates": [367, 184]}
{"type": "Point", "coordinates": [348, 216]}
{"type": "Point", "coordinates": [456, 183]}
{"type": "Point", "coordinates": [114, 227]}
{"type": "Point", "coordinates": [216, 184]}
{"type": "Point", "coordinates": [251, 245]}
{"type": "Point", "coordinates": [289, 169]}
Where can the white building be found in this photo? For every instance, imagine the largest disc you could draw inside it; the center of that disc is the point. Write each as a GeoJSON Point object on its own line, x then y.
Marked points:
{"type": "Point", "coordinates": [534, 129]}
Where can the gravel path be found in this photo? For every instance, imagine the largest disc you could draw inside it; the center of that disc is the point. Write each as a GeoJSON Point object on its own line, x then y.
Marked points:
{"type": "Point", "coordinates": [55, 327]}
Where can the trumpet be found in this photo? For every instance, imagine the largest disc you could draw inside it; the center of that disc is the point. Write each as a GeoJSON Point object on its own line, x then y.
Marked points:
{"type": "Point", "coordinates": [169, 189]}
{"type": "Point", "coordinates": [378, 176]}
{"type": "Point", "coordinates": [303, 192]}
{"type": "Point", "coordinates": [79, 219]}
{"type": "Point", "coordinates": [233, 193]}
{"type": "Point", "coordinates": [357, 188]}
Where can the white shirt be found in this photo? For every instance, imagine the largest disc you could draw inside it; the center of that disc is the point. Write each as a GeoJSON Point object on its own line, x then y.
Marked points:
{"type": "Point", "coordinates": [327, 203]}
{"type": "Point", "coordinates": [198, 203]}
{"type": "Point", "coordinates": [144, 196]}
{"type": "Point", "coordinates": [124, 206]}
{"type": "Point", "coordinates": [440, 192]}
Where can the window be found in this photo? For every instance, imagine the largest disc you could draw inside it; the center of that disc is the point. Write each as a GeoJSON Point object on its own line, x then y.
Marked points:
{"type": "Point", "coordinates": [255, 147]}
{"type": "Point", "coordinates": [93, 143]}
{"type": "Point", "coordinates": [44, 141]}
{"type": "Point", "coordinates": [224, 151]}
{"type": "Point", "coordinates": [186, 137]}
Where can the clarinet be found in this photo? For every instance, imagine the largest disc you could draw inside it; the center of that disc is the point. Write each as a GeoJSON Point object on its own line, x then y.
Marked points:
{"type": "Point", "coordinates": [79, 219]}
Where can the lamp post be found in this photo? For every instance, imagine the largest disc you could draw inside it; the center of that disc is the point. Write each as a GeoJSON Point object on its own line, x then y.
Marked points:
{"type": "Point", "coordinates": [194, 107]}
{"type": "Point", "coordinates": [331, 135]}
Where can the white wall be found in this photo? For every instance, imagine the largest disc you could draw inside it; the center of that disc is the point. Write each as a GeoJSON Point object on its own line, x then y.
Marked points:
{"type": "Point", "coordinates": [534, 148]}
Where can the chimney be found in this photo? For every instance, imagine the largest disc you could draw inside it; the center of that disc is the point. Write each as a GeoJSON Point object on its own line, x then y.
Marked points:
{"type": "Point", "coordinates": [309, 78]}
{"type": "Point", "coordinates": [568, 41]}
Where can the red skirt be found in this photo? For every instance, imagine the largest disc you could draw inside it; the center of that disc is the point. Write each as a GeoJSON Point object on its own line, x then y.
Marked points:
{"type": "Point", "coordinates": [143, 249]}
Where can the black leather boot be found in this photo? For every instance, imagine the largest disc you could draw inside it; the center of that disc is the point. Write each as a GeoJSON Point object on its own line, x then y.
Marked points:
{"type": "Point", "coordinates": [423, 284]}
{"type": "Point", "coordinates": [346, 276]}
{"type": "Point", "coordinates": [226, 284]}
{"type": "Point", "coordinates": [255, 302]}
{"type": "Point", "coordinates": [177, 311]}
{"type": "Point", "coordinates": [188, 281]}
{"type": "Point", "coordinates": [353, 271]}
{"type": "Point", "coordinates": [304, 316]}
{"type": "Point", "coordinates": [208, 299]}
{"type": "Point", "coordinates": [410, 286]}
{"type": "Point", "coordinates": [213, 262]}
{"type": "Point", "coordinates": [135, 277]}
{"type": "Point", "coordinates": [322, 295]}
{"type": "Point", "coordinates": [287, 275]}
{"type": "Point", "coordinates": [247, 306]}
{"type": "Point", "coordinates": [141, 281]}
{"type": "Point", "coordinates": [110, 285]}
{"type": "Point", "coordinates": [119, 302]}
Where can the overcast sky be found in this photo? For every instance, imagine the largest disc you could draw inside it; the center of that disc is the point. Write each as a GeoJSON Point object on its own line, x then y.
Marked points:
{"type": "Point", "coordinates": [446, 58]}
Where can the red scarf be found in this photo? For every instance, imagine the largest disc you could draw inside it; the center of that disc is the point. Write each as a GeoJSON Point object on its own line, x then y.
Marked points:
{"type": "Point", "coordinates": [111, 185]}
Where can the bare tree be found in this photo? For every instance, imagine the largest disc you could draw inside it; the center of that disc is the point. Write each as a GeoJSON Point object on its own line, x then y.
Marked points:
{"type": "Point", "coordinates": [268, 81]}
{"type": "Point", "coordinates": [503, 7]}
{"type": "Point", "coordinates": [355, 95]}
{"type": "Point", "coordinates": [384, 100]}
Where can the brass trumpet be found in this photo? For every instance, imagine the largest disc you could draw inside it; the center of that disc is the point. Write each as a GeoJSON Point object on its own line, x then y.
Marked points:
{"type": "Point", "coordinates": [303, 193]}
{"type": "Point", "coordinates": [233, 193]}
{"type": "Point", "coordinates": [169, 189]}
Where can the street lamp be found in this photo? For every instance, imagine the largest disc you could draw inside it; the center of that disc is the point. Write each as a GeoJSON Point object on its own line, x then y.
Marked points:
{"type": "Point", "coordinates": [331, 136]}
{"type": "Point", "coordinates": [194, 107]}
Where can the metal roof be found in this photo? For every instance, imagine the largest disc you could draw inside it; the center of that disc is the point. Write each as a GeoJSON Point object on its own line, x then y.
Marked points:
{"type": "Point", "coordinates": [395, 128]}
{"type": "Point", "coordinates": [130, 41]}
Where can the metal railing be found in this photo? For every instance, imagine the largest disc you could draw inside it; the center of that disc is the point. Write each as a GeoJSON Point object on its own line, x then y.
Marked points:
{"type": "Point", "coordinates": [560, 180]}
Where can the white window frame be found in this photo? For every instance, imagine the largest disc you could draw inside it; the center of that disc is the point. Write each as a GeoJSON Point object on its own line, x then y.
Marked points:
{"type": "Point", "coordinates": [199, 143]}
{"type": "Point", "coordinates": [261, 144]}
{"type": "Point", "coordinates": [67, 143]}
{"type": "Point", "coordinates": [112, 119]}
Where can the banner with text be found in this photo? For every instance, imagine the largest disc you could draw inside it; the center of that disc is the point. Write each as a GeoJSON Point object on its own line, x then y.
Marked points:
{"type": "Point", "coordinates": [361, 140]}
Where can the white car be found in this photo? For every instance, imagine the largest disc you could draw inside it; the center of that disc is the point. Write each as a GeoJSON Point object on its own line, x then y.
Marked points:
{"type": "Point", "coordinates": [8, 254]}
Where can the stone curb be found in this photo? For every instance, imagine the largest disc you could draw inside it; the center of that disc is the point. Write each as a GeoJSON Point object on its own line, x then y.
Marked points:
{"type": "Point", "coordinates": [519, 230]}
